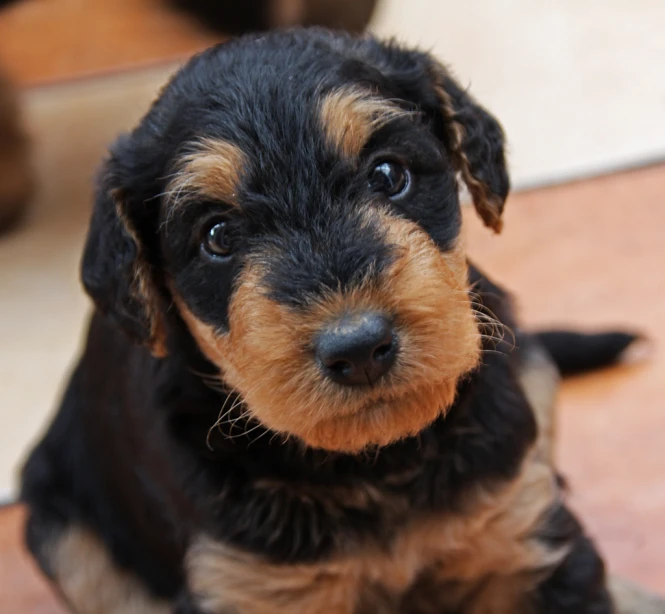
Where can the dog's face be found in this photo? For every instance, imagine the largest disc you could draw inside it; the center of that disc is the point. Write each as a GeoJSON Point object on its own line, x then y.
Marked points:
{"type": "Point", "coordinates": [295, 199]}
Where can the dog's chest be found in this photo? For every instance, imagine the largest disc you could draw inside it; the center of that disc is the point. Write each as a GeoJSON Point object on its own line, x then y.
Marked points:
{"type": "Point", "coordinates": [435, 558]}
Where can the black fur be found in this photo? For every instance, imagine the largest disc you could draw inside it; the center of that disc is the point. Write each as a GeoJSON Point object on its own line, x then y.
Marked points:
{"type": "Point", "coordinates": [577, 352]}
{"type": "Point", "coordinates": [285, 202]}
{"type": "Point", "coordinates": [153, 430]}
{"type": "Point", "coordinates": [131, 454]}
{"type": "Point", "coordinates": [109, 277]}
{"type": "Point", "coordinates": [578, 583]}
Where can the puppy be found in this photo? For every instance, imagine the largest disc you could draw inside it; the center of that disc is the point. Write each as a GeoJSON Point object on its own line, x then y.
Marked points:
{"type": "Point", "coordinates": [297, 395]}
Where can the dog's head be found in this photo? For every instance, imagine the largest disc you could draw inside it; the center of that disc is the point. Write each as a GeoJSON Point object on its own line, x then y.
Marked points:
{"type": "Point", "coordinates": [293, 200]}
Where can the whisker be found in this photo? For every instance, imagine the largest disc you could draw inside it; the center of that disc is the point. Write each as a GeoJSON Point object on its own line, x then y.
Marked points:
{"type": "Point", "coordinates": [265, 432]}
{"type": "Point", "coordinates": [220, 417]}
{"type": "Point", "coordinates": [244, 433]}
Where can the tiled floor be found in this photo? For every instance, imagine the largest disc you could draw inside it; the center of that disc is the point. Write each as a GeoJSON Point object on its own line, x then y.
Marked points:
{"type": "Point", "coordinates": [41, 302]}
{"type": "Point", "coordinates": [587, 254]}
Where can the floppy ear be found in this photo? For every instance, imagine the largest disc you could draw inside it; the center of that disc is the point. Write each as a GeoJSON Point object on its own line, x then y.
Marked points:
{"type": "Point", "coordinates": [115, 270]}
{"type": "Point", "coordinates": [475, 140]}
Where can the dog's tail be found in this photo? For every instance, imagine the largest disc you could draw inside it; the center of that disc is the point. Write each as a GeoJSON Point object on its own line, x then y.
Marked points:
{"type": "Point", "coordinates": [578, 352]}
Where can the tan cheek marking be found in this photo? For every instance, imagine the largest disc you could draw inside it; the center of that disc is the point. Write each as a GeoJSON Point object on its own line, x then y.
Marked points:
{"type": "Point", "coordinates": [348, 117]}
{"type": "Point", "coordinates": [440, 341]}
{"type": "Point", "coordinates": [487, 551]}
{"type": "Point", "coordinates": [213, 170]}
{"type": "Point", "coordinates": [267, 355]}
{"type": "Point", "coordinates": [92, 583]}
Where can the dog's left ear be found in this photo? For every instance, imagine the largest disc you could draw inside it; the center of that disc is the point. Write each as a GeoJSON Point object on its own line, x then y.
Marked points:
{"type": "Point", "coordinates": [475, 141]}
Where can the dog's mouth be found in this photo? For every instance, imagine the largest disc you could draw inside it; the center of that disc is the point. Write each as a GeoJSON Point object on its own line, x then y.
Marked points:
{"type": "Point", "coordinates": [381, 419]}
{"type": "Point", "coordinates": [375, 404]}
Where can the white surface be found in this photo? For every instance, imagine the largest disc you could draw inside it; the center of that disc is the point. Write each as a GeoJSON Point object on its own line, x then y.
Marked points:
{"type": "Point", "coordinates": [579, 85]}
{"type": "Point", "coordinates": [43, 308]}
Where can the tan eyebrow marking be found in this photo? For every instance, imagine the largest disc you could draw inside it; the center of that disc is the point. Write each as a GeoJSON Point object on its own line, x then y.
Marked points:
{"type": "Point", "coordinates": [212, 170]}
{"type": "Point", "coordinates": [350, 115]}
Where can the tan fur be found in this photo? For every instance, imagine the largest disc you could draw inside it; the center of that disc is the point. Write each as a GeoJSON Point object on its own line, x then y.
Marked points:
{"type": "Point", "coordinates": [90, 581]}
{"type": "Point", "coordinates": [487, 204]}
{"type": "Point", "coordinates": [267, 357]}
{"type": "Point", "coordinates": [213, 170]}
{"type": "Point", "coordinates": [350, 115]}
{"type": "Point", "coordinates": [498, 594]}
{"type": "Point", "coordinates": [492, 538]}
{"type": "Point", "coordinates": [540, 379]}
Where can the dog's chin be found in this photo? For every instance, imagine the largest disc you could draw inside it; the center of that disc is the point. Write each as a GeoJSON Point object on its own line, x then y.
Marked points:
{"type": "Point", "coordinates": [380, 421]}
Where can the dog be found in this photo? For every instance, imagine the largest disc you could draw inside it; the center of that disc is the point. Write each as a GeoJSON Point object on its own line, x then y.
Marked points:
{"type": "Point", "coordinates": [297, 395]}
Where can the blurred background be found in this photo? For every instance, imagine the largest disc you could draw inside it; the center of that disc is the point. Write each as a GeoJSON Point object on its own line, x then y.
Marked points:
{"type": "Point", "coordinates": [580, 89]}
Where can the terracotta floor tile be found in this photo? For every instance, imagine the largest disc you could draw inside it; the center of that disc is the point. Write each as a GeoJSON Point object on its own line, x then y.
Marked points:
{"type": "Point", "coordinates": [22, 588]}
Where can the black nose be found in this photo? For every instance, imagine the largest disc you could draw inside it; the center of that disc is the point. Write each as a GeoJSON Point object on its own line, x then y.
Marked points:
{"type": "Point", "coordinates": [358, 349]}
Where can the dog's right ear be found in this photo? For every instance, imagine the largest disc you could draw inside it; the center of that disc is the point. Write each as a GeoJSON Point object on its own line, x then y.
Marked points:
{"type": "Point", "coordinates": [475, 141]}
{"type": "Point", "coordinates": [473, 137]}
{"type": "Point", "coordinates": [116, 270]}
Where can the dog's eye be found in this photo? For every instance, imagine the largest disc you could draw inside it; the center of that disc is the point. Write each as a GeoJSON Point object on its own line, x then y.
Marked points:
{"type": "Point", "coordinates": [217, 240]}
{"type": "Point", "coordinates": [390, 178]}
